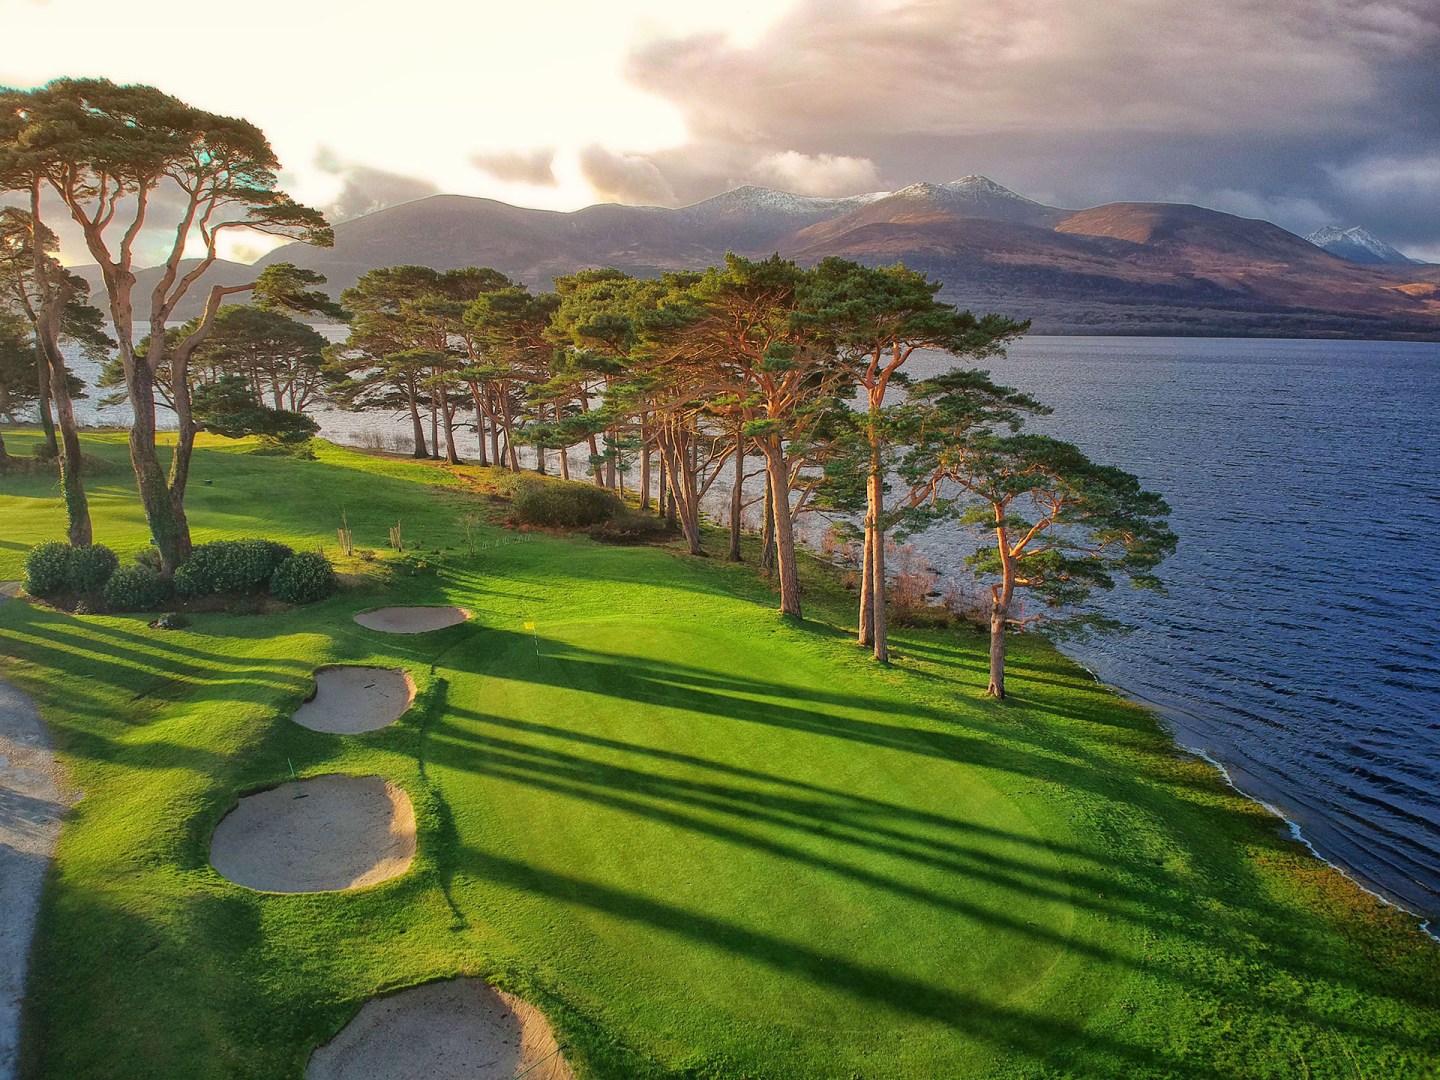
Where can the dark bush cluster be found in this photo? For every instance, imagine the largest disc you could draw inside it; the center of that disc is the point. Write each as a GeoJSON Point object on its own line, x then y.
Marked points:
{"type": "Point", "coordinates": [54, 568]}
{"type": "Point", "coordinates": [90, 579]}
{"type": "Point", "coordinates": [137, 588]}
{"type": "Point", "coordinates": [561, 504]}
{"type": "Point", "coordinates": [224, 566]}
{"type": "Point", "coordinates": [303, 578]}
{"type": "Point", "coordinates": [629, 527]}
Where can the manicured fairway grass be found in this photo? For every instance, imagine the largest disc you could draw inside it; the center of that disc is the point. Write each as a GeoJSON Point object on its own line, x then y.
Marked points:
{"type": "Point", "coordinates": [706, 841]}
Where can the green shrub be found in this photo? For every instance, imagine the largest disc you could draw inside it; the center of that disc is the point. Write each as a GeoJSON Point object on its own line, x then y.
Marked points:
{"type": "Point", "coordinates": [562, 504]}
{"type": "Point", "coordinates": [303, 578]}
{"type": "Point", "coordinates": [230, 566]}
{"type": "Point", "coordinates": [136, 588]}
{"type": "Point", "coordinates": [53, 568]}
{"type": "Point", "coordinates": [90, 567]}
{"type": "Point", "coordinates": [47, 568]}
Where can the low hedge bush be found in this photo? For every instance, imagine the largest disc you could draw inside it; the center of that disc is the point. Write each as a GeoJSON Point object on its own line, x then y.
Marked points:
{"type": "Point", "coordinates": [230, 566]}
{"type": "Point", "coordinates": [47, 568]}
{"type": "Point", "coordinates": [54, 567]}
{"type": "Point", "coordinates": [137, 588]}
{"type": "Point", "coordinates": [562, 504]}
{"type": "Point", "coordinates": [303, 578]}
{"type": "Point", "coordinates": [91, 566]}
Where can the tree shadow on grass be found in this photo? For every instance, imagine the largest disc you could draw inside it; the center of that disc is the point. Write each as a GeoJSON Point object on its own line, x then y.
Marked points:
{"type": "Point", "coordinates": [1231, 927]}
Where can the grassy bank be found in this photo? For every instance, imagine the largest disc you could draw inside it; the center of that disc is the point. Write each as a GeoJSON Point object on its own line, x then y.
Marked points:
{"type": "Point", "coordinates": [707, 841]}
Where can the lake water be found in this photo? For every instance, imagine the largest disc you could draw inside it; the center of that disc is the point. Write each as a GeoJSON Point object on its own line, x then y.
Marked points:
{"type": "Point", "coordinates": [1298, 641]}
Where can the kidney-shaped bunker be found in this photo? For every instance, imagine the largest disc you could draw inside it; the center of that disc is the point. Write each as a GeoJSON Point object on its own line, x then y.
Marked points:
{"type": "Point", "coordinates": [463, 1028]}
{"type": "Point", "coordinates": [349, 700]}
{"type": "Point", "coordinates": [318, 835]}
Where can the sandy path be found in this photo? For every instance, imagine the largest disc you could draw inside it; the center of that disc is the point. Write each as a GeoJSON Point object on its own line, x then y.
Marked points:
{"type": "Point", "coordinates": [411, 620]}
{"type": "Point", "coordinates": [30, 810]}
{"type": "Point", "coordinates": [350, 700]}
{"type": "Point", "coordinates": [462, 1029]}
{"type": "Point", "coordinates": [322, 834]}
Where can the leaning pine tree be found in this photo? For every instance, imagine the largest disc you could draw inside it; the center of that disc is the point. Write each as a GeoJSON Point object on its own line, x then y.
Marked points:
{"type": "Point", "coordinates": [1060, 527]}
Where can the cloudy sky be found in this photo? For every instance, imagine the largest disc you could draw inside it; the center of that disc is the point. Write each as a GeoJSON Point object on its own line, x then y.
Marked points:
{"type": "Point", "coordinates": [1305, 112]}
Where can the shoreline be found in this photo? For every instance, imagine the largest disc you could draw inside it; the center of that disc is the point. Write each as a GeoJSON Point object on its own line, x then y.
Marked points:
{"type": "Point", "coordinates": [1175, 729]}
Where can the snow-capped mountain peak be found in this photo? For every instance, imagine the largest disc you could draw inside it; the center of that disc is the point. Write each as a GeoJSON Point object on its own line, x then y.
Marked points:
{"type": "Point", "coordinates": [1357, 245]}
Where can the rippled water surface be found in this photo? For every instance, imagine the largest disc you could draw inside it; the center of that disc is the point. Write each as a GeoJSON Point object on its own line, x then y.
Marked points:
{"type": "Point", "coordinates": [1299, 643]}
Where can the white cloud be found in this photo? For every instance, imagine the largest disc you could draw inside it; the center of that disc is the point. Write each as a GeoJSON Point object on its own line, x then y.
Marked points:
{"type": "Point", "coordinates": [828, 175]}
{"type": "Point", "coordinates": [1386, 175]}
{"type": "Point", "coordinates": [627, 178]}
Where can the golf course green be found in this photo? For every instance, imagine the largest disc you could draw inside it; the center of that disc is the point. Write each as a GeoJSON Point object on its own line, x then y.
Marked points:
{"type": "Point", "coordinates": [704, 840]}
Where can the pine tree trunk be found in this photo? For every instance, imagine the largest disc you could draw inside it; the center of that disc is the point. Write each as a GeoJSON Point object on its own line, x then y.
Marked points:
{"type": "Point", "coordinates": [877, 563]}
{"type": "Point", "coordinates": [866, 635]}
{"type": "Point", "coordinates": [595, 459]}
{"type": "Point", "coordinates": [737, 495]}
{"type": "Point", "coordinates": [70, 458]}
{"type": "Point", "coordinates": [168, 526]}
{"type": "Point", "coordinates": [999, 615]}
{"type": "Point", "coordinates": [420, 451]}
{"type": "Point", "coordinates": [495, 458]}
{"type": "Point", "coordinates": [767, 529]}
{"type": "Point", "coordinates": [452, 457]}
{"type": "Point", "coordinates": [785, 563]}
{"type": "Point", "coordinates": [47, 418]}
{"type": "Point", "coordinates": [434, 429]}
{"type": "Point", "coordinates": [644, 462]}
{"type": "Point", "coordinates": [479, 425]}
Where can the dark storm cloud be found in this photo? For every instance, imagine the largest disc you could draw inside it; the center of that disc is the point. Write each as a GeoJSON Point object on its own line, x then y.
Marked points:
{"type": "Point", "coordinates": [365, 189]}
{"type": "Point", "coordinates": [513, 167]}
{"type": "Point", "coordinates": [1298, 110]}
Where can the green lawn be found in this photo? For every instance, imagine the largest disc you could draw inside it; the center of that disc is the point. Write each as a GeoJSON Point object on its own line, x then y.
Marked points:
{"type": "Point", "coordinates": [706, 841]}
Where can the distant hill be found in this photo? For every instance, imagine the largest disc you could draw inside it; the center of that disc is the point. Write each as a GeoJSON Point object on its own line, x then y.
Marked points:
{"type": "Point", "coordinates": [1123, 268]}
{"type": "Point", "coordinates": [1359, 246]}
{"type": "Point", "coordinates": [221, 273]}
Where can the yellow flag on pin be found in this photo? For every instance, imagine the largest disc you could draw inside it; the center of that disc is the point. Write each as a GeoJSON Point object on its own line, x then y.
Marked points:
{"type": "Point", "coordinates": [529, 626]}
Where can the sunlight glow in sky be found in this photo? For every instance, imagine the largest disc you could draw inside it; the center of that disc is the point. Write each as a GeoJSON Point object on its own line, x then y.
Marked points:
{"type": "Point", "coordinates": [416, 88]}
{"type": "Point", "coordinates": [1302, 112]}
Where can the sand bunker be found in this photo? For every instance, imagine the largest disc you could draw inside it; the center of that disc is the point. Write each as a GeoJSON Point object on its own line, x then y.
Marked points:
{"type": "Point", "coordinates": [318, 835]}
{"type": "Point", "coordinates": [349, 700]}
{"type": "Point", "coordinates": [443, 1031]}
{"type": "Point", "coordinates": [411, 620]}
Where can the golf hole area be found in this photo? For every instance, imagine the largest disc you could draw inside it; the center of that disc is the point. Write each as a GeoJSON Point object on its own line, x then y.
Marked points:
{"type": "Point", "coordinates": [324, 834]}
{"type": "Point", "coordinates": [350, 699]}
{"type": "Point", "coordinates": [411, 620]}
{"type": "Point", "coordinates": [461, 1028]}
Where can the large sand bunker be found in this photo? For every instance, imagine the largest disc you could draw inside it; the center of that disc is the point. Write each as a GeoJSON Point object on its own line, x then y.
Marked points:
{"type": "Point", "coordinates": [318, 835]}
{"type": "Point", "coordinates": [411, 620]}
{"type": "Point", "coordinates": [463, 1028]}
{"type": "Point", "coordinates": [349, 700]}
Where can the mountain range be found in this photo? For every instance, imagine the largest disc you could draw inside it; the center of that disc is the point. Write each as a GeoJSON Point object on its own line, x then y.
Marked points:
{"type": "Point", "coordinates": [1122, 268]}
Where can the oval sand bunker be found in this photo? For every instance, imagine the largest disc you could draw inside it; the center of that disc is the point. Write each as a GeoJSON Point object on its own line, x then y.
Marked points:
{"type": "Point", "coordinates": [443, 1031]}
{"type": "Point", "coordinates": [349, 700]}
{"type": "Point", "coordinates": [411, 620]}
{"type": "Point", "coordinates": [327, 833]}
